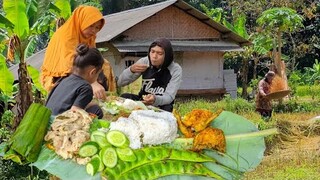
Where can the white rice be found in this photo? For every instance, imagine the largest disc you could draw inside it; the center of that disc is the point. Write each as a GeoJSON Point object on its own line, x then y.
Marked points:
{"type": "Point", "coordinates": [148, 126]}
{"type": "Point", "coordinates": [130, 128]}
{"type": "Point", "coordinates": [156, 127]}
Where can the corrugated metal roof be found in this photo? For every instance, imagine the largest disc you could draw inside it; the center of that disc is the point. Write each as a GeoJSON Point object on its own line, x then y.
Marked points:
{"type": "Point", "coordinates": [142, 46]}
{"type": "Point", "coordinates": [122, 21]}
{"type": "Point", "coordinates": [119, 22]}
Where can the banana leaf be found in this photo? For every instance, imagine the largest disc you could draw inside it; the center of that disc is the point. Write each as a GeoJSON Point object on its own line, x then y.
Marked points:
{"type": "Point", "coordinates": [244, 152]}
{"type": "Point", "coordinates": [64, 169]}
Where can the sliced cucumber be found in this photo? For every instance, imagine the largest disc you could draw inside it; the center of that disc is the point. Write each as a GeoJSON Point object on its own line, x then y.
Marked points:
{"type": "Point", "coordinates": [93, 166]}
{"type": "Point", "coordinates": [101, 165]}
{"type": "Point", "coordinates": [126, 154]}
{"type": "Point", "coordinates": [97, 133]}
{"type": "Point", "coordinates": [102, 141]}
{"type": "Point", "coordinates": [117, 139]}
{"type": "Point", "coordinates": [88, 149]}
{"type": "Point", "coordinates": [109, 157]}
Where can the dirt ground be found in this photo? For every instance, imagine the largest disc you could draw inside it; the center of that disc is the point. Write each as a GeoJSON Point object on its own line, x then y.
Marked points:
{"type": "Point", "coordinates": [293, 155]}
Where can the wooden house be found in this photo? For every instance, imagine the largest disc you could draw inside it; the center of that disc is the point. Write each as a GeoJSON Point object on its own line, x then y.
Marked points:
{"type": "Point", "coordinates": [199, 44]}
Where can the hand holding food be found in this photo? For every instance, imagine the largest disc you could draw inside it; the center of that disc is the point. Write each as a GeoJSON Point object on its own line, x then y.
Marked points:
{"type": "Point", "coordinates": [138, 68]}
{"type": "Point", "coordinates": [98, 91]}
{"type": "Point", "coordinates": [149, 99]}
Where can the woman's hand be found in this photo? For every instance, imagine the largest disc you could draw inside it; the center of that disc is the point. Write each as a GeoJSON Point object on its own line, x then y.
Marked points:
{"type": "Point", "coordinates": [149, 99]}
{"type": "Point", "coordinates": [138, 68]}
{"type": "Point", "coordinates": [98, 91]}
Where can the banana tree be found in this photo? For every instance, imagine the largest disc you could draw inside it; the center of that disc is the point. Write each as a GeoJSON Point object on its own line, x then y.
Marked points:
{"type": "Point", "coordinates": [278, 21]}
{"type": "Point", "coordinates": [238, 26]}
{"type": "Point", "coordinates": [262, 45]}
{"type": "Point", "coordinates": [238, 22]}
{"type": "Point", "coordinates": [29, 19]}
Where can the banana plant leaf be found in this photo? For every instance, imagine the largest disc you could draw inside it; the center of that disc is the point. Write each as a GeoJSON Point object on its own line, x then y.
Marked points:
{"type": "Point", "coordinates": [244, 152]}
{"type": "Point", "coordinates": [7, 78]}
{"type": "Point", "coordinates": [64, 169]}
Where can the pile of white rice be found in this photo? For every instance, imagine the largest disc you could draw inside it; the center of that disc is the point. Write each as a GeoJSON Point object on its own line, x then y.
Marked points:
{"type": "Point", "coordinates": [147, 127]}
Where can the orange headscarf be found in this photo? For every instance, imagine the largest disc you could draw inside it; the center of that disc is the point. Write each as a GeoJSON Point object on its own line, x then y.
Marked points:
{"type": "Point", "coordinates": [61, 49]}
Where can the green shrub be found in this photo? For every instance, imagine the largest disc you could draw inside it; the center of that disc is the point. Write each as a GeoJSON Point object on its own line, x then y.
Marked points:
{"type": "Point", "coordinates": [238, 106]}
{"type": "Point", "coordinates": [186, 106]}
{"type": "Point", "coordinates": [12, 170]}
{"type": "Point", "coordinates": [294, 105]}
{"type": "Point", "coordinates": [308, 91]}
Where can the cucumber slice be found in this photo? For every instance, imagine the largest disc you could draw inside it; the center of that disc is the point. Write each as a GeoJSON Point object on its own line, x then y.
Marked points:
{"type": "Point", "coordinates": [109, 157]}
{"type": "Point", "coordinates": [101, 165]}
{"type": "Point", "coordinates": [88, 149]}
{"type": "Point", "coordinates": [126, 154]}
{"type": "Point", "coordinates": [97, 133]}
{"type": "Point", "coordinates": [117, 139]}
{"type": "Point", "coordinates": [102, 141]}
{"type": "Point", "coordinates": [93, 166]}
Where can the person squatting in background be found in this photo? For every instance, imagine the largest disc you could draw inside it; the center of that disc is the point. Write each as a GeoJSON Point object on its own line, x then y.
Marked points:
{"type": "Point", "coordinates": [161, 76]}
{"type": "Point", "coordinates": [75, 91]}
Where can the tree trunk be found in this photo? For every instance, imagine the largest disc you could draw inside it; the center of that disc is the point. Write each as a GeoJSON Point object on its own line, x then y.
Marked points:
{"type": "Point", "coordinates": [24, 97]}
{"type": "Point", "coordinates": [255, 62]}
{"type": "Point", "coordinates": [294, 47]}
{"type": "Point", "coordinates": [277, 60]}
{"type": "Point", "coordinates": [244, 77]}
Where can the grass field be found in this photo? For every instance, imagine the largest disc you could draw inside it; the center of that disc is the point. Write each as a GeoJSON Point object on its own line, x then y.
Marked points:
{"type": "Point", "coordinates": [294, 154]}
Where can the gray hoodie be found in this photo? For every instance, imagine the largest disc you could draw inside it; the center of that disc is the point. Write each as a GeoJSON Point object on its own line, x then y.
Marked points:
{"type": "Point", "coordinates": [163, 82]}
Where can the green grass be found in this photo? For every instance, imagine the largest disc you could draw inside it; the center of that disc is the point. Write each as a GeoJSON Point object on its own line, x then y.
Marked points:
{"type": "Point", "coordinates": [286, 171]}
{"type": "Point", "coordinates": [308, 91]}
{"type": "Point", "coordinates": [238, 105]}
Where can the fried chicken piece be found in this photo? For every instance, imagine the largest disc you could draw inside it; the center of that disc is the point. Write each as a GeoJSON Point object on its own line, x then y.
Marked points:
{"type": "Point", "coordinates": [210, 138]}
{"type": "Point", "coordinates": [199, 119]}
{"type": "Point", "coordinates": [201, 125]}
{"type": "Point", "coordinates": [187, 132]}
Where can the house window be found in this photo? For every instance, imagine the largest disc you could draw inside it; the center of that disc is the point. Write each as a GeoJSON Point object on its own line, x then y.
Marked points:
{"type": "Point", "coordinates": [129, 63]}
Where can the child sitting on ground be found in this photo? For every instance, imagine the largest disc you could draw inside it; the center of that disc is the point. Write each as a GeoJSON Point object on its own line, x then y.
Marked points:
{"type": "Point", "coordinates": [74, 91]}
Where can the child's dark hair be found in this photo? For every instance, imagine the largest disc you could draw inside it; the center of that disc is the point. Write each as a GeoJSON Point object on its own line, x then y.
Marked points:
{"type": "Point", "coordinates": [87, 57]}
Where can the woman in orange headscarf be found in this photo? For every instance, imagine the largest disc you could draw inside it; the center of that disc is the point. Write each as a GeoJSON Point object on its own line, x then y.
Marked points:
{"type": "Point", "coordinates": [82, 27]}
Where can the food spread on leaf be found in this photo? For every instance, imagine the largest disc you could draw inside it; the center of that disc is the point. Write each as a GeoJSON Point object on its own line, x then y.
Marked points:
{"type": "Point", "coordinates": [133, 141]}
{"type": "Point", "coordinates": [196, 124]}
{"type": "Point", "coordinates": [68, 132]}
